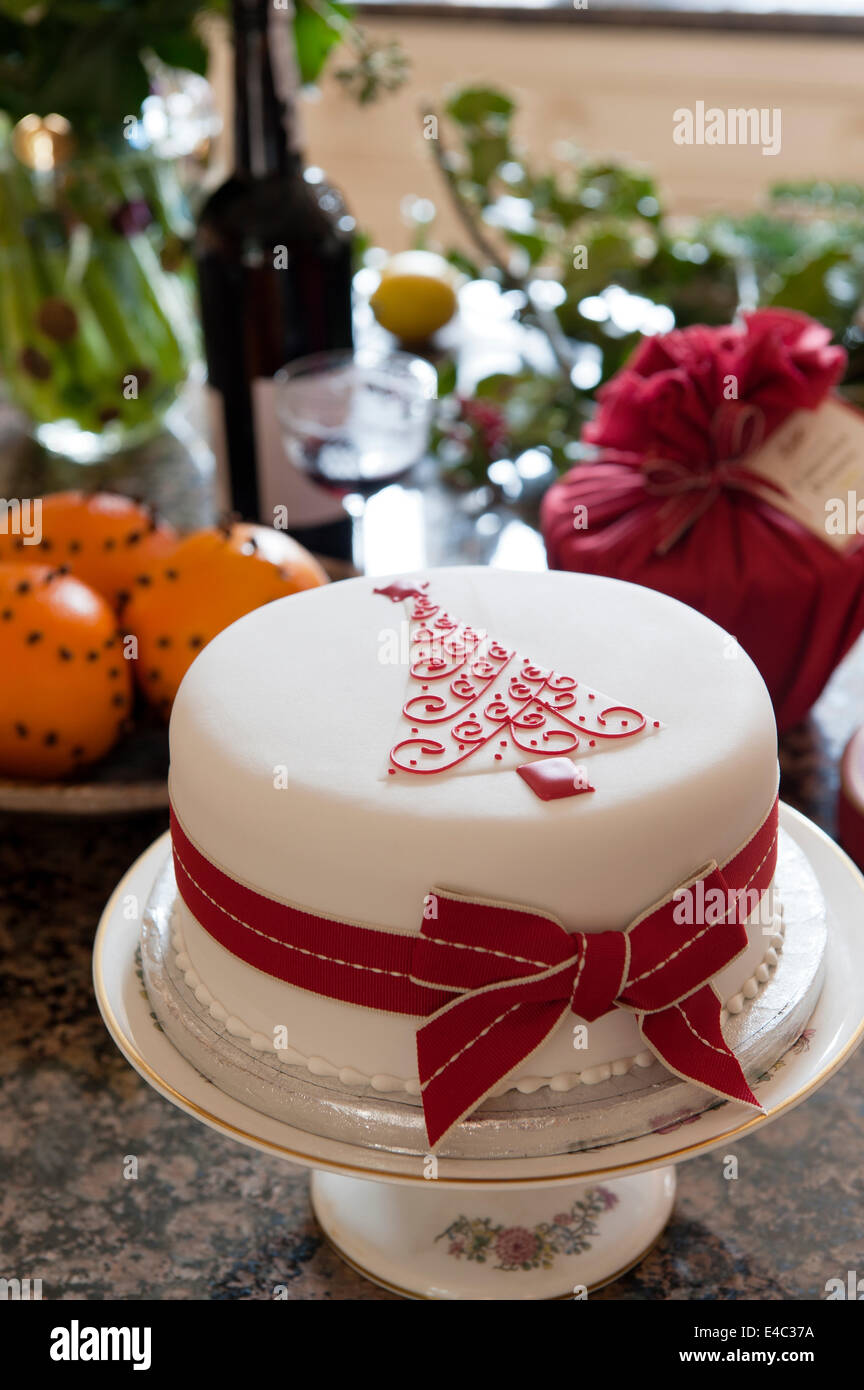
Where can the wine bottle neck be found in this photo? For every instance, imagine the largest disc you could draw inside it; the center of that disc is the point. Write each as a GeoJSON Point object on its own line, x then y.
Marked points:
{"type": "Point", "coordinates": [265, 90]}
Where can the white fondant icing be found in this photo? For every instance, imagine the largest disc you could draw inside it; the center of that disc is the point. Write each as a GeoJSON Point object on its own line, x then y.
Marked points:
{"type": "Point", "coordinates": [277, 740]}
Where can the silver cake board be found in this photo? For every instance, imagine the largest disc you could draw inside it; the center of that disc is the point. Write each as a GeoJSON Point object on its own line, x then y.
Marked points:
{"type": "Point", "coordinates": [544, 1123]}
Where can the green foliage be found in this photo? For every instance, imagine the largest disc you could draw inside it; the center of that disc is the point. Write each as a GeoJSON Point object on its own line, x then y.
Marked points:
{"type": "Point", "coordinates": [597, 229]}
{"type": "Point", "coordinates": [481, 108]}
{"type": "Point", "coordinates": [376, 68]}
{"type": "Point", "coordinates": [317, 30]}
{"type": "Point", "coordinates": [84, 58]}
{"type": "Point", "coordinates": [106, 242]}
{"type": "Point", "coordinates": [87, 59]}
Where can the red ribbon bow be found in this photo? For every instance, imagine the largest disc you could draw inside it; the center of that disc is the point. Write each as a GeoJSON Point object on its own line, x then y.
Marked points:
{"type": "Point", "coordinates": [516, 973]}
{"type": "Point", "coordinates": [512, 974]}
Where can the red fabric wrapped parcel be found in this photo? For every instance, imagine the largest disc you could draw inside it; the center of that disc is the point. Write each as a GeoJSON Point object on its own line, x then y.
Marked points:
{"type": "Point", "coordinates": [671, 503]}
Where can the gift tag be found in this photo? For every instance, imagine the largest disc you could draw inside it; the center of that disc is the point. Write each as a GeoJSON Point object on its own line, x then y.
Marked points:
{"type": "Point", "coordinates": [817, 456]}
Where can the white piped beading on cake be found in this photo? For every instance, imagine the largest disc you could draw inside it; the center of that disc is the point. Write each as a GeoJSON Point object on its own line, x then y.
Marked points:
{"type": "Point", "coordinates": [383, 1081]}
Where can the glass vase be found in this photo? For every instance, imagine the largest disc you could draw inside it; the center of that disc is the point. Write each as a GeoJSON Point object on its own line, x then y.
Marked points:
{"type": "Point", "coordinates": [97, 301]}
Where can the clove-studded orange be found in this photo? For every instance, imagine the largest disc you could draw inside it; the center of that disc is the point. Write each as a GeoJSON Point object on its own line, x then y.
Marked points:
{"type": "Point", "coordinates": [208, 581]}
{"type": "Point", "coordinates": [66, 690]}
{"type": "Point", "coordinates": [104, 538]}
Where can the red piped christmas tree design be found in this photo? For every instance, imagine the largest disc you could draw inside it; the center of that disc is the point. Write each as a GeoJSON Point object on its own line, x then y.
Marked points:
{"type": "Point", "coordinates": [478, 705]}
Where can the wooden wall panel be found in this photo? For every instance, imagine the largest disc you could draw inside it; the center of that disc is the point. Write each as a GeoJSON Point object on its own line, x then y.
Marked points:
{"type": "Point", "coordinates": [612, 90]}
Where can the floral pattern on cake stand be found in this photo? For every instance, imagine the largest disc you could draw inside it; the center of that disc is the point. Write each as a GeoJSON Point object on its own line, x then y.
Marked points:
{"type": "Point", "coordinates": [518, 1247]}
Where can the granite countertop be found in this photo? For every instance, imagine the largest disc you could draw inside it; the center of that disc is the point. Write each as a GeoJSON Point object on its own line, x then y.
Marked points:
{"type": "Point", "coordinates": [209, 1219]}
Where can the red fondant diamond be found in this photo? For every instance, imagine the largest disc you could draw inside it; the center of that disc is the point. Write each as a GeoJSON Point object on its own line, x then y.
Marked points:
{"type": "Point", "coordinates": [553, 778]}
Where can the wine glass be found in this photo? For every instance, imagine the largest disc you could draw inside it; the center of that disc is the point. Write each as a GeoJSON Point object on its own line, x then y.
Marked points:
{"type": "Point", "coordinates": [355, 422]}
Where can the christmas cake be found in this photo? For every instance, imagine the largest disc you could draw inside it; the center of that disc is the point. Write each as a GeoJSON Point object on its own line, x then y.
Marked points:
{"type": "Point", "coordinates": [468, 830]}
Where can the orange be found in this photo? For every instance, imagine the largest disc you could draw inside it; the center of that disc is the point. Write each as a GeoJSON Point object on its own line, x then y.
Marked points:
{"type": "Point", "coordinates": [102, 537]}
{"type": "Point", "coordinates": [66, 690]}
{"type": "Point", "coordinates": [209, 580]}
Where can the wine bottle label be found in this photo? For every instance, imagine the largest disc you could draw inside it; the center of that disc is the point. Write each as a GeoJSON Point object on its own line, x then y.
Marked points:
{"type": "Point", "coordinates": [215, 409]}
{"type": "Point", "coordinates": [280, 484]}
{"type": "Point", "coordinates": [287, 498]}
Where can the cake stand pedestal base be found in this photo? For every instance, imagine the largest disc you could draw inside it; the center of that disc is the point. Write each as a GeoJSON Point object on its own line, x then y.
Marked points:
{"type": "Point", "coordinates": [539, 1243]}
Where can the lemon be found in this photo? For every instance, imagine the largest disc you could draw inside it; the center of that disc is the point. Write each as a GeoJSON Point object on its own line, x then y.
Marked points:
{"type": "Point", "coordinates": [416, 296]}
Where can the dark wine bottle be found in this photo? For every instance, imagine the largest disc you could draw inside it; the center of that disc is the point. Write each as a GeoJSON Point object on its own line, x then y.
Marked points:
{"type": "Point", "coordinates": [273, 252]}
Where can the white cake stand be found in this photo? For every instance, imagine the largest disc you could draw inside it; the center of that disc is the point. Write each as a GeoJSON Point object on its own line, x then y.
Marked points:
{"type": "Point", "coordinates": [535, 1228]}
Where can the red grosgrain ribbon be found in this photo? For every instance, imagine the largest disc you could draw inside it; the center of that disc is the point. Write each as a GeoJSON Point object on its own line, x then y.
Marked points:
{"type": "Point", "coordinates": [490, 981]}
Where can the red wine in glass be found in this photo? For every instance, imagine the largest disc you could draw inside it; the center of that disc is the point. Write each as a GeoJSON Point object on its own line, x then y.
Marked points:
{"type": "Point", "coordinates": [355, 422]}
